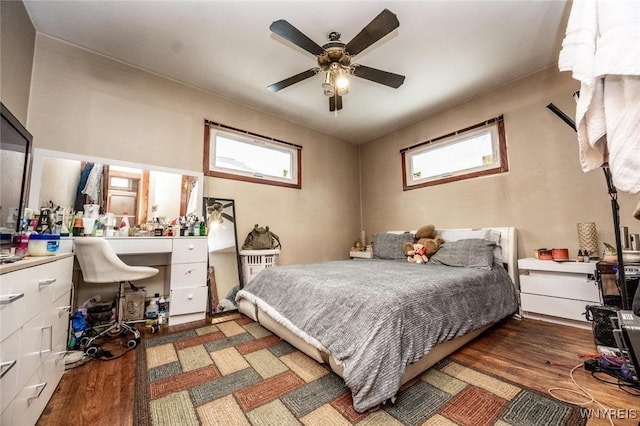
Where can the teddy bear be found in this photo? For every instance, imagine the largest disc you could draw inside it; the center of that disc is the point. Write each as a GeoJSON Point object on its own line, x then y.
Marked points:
{"type": "Point", "coordinates": [429, 238]}
{"type": "Point", "coordinates": [415, 252]}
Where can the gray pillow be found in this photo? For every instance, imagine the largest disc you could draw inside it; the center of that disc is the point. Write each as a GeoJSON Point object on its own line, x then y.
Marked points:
{"type": "Point", "coordinates": [389, 246]}
{"type": "Point", "coordinates": [495, 237]}
{"type": "Point", "coordinates": [469, 253]}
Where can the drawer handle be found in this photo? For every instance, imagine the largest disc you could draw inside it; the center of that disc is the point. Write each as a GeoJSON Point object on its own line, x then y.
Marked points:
{"type": "Point", "coordinates": [39, 388]}
{"type": "Point", "coordinates": [5, 300]}
{"type": "Point", "coordinates": [64, 310]}
{"type": "Point", "coordinates": [47, 281]}
{"type": "Point", "coordinates": [189, 271]}
{"type": "Point", "coordinates": [190, 296]}
{"type": "Point", "coordinates": [191, 247]}
{"type": "Point", "coordinates": [6, 366]}
{"type": "Point", "coordinates": [50, 327]}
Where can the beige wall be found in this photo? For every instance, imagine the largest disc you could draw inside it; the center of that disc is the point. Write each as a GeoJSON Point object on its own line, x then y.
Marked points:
{"type": "Point", "coordinates": [89, 104]}
{"type": "Point", "coordinates": [544, 194]}
{"type": "Point", "coordinates": [17, 40]}
{"type": "Point", "coordinates": [86, 103]}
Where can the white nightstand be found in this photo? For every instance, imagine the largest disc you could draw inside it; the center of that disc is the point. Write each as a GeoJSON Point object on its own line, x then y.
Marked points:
{"type": "Point", "coordinates": [558, 291]}
{"type": "Point", "coordinates": [361, 254]}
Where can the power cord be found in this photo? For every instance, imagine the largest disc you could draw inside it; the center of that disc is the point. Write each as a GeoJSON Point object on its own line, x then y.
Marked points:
{"type": "Point", "coordinates": [106, 355]}
{"type": "Point", "coordinates": [582, 392]}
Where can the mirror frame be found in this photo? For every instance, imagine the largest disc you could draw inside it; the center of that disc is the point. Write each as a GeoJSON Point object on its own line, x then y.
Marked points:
{"type": "Point", "coordinates": [215, 299]}
{"type": "Point", "coordinates": [37, 165]}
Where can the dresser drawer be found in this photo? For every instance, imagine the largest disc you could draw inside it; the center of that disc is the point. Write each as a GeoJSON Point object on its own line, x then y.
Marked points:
{"type": "Point", "coordinates": [34, 395]}
{"type": "Point", "coordinates": [189, 250]}
{"type": "Point", "coordinates": [10, 359]}
{"type": "Point", "coordinates": [139, 245]}
{"type": "Point", "coordinates": [554, 306]}
{"type": "Point", "coordinates": [188, 275]}
{"type": "Point", "coordinates": [188, 300]}
{"type": "Point", "coordinates": [566, 286]}
{"type": "Point", "coordinates": [37, 344]}
{"type": "Point", "coordinates": [15, 297]}
{"type": "Point", "coordinates": [52, 279]}
{"type": "Point", "coordinates": [24, 293]}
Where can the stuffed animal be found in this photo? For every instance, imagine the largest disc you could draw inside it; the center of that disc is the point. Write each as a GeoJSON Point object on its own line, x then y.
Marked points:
{"type": "Point", "coordinates": [427, 231]}
{"type": "Point", "coordinates": [415, 253]}
{"type": "Point", "coordinates": [429, 238]}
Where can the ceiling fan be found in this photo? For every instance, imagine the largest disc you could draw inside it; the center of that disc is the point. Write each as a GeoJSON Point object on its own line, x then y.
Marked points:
{"type": "Point", "coordinates": [334, 58]}
{"type": "Point", "coordinates": [215, 212]}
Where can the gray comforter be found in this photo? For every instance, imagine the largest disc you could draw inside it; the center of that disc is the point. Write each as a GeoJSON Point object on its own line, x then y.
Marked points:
{"type": "Point", "coordinates": [376, 316]}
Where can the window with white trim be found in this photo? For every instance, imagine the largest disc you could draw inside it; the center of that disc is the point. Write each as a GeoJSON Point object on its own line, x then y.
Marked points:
{"type": "Point", "coordinates": [236, 154]}
{"type": "Point", "coordinates": [478, 150]}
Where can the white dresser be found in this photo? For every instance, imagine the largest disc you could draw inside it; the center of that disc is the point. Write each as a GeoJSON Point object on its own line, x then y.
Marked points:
{"type": "Point", "coordinates": [558, 291]}
{"type": "Point", "coordinates": [35, 297]}
{"type": "Point", "coordinates": [186, 260]}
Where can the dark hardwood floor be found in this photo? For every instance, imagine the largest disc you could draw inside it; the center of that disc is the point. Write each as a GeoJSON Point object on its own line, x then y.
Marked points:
{"type": "Point", "coordinates": [535, 354]}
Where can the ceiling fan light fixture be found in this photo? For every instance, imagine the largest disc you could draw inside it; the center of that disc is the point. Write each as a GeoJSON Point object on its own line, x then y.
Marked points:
{"type": "Point", "coordinates": [327, 83]}
{"type": "Point", "coordinates": [342, 82]}
{"type": "Point", "coordinates": [329, 92]}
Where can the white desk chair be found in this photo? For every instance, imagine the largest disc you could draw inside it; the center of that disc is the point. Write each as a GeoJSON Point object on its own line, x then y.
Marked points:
{"type": "Point", "coordinates": [100, 264]}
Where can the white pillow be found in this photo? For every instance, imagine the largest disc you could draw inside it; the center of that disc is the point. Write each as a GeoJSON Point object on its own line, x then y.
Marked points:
{"type": "Point", "coordinates": [462, 234]}
{"type": "Point", "coordinates": [494, 237]}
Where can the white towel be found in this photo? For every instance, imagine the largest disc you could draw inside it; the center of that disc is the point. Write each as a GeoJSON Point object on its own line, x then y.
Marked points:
{"type": "Point", "coordinates": [622, 107]}
{"type": "Point", "coordinates": [602, 49]}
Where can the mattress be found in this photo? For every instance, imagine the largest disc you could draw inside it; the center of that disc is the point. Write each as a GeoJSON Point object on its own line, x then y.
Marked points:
{"type": "Point", "coordinates": [374, 320]}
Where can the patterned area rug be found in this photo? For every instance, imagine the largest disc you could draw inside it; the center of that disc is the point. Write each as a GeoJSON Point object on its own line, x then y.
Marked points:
{"type": "Point", "coordinates": [238, 373]}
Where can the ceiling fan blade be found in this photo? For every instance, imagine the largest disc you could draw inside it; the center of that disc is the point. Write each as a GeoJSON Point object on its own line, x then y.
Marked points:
{"type": "Point", "coordinates": [381, 25]}
{"type": "Point", "coordinates": [335, 103]}
{"type": "Point", "coordinates": [287, 31]}
{"type": "Point", "coordinates": [292, 80]}
{"type": "Point", "coordinates": [378, 76]}
{"type": "Point", "coordinates": [228, 217]}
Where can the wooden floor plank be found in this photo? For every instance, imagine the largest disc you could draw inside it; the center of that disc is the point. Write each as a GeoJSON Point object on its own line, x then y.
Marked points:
{"type": "Point", "coordinates": [535, 354]}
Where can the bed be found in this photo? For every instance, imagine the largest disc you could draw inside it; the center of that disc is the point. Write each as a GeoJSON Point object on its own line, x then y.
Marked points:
{"type": "Point", "coordinates": [380, 322]}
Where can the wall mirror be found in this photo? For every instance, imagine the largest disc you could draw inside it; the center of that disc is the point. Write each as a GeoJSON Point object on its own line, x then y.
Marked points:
{"type": "Point", "coordinates": [15, 149]}
{"type": "Point", "coordinates": [225, 272]}
{"type": "Point", "coordinates": [143, 191]}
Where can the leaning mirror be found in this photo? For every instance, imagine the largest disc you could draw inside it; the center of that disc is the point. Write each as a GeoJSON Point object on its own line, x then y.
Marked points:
{"type": "Point", "coordinates": [225, 273]}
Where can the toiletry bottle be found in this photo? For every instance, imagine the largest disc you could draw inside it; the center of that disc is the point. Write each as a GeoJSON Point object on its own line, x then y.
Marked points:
{"type": "Point", "coordinates": [161, 305]}
{"type": "Point", "coordinates": [78, 225]}
{"type": "Point", "coordinates": [124, 225]}
{"type": "Point", "coordinates": [152, 308]}
{"type": "Point", "coordinates": [203, 227]}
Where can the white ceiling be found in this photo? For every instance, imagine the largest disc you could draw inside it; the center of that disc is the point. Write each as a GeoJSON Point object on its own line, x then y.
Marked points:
{"type": "Point", "coordinates": [449, 51]}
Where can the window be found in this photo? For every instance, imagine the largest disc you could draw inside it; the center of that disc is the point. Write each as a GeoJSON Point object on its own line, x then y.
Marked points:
{"type": "Point", "coordinates": [236, 154]}
{"type": "Point", "coordinates": [478, 150]}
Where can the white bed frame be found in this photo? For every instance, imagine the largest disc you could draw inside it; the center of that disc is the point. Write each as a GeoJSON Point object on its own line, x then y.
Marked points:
{"type": "Point", "coordinates": [508, 241]}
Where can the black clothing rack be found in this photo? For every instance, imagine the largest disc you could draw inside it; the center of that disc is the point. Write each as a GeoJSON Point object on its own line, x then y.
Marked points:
{"type": "Point", "coordinates": [615, 211]}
